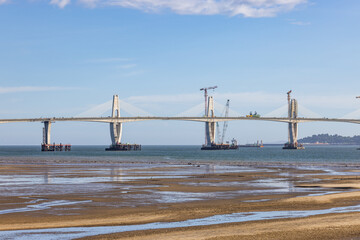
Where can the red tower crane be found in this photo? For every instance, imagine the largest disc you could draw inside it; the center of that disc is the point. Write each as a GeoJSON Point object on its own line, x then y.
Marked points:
{"type": "Point", "coordinates": [288, 93]}
{"type": "Point", "coordinates": [206, 95]}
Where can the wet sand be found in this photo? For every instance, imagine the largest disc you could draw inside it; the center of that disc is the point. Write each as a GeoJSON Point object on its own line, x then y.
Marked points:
{"type": "Point", "coordinates": [178, 201]}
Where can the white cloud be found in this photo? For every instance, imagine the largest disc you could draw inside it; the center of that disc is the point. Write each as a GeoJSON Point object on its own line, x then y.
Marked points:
{"type": "Point", "coordinates": [4, 1]}
{"type": "Point", "coordinates": [29, 89]}
{"type": "Point", "coordinates": [60, 3]}
{"type": "Point", "coordinates": [246, 8]}
{"type": "Point", "coordinates": [89, 3]}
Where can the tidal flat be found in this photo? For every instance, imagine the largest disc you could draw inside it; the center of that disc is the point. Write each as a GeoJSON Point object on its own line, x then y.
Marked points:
{"type": "Point", "coordinates": [60, 199]}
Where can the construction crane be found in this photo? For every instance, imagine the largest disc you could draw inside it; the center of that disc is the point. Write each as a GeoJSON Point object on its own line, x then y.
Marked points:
{"type": "Point", "coordinates": [225, 113]}
{"type": "Point", "coordinates": [218, 136]}
{"type": "Point", "coordinates": [206, 95]}
{"type": "Point", "coordinates": [289, 98]}
{"type": "Point", "coordinates": [288, 93]}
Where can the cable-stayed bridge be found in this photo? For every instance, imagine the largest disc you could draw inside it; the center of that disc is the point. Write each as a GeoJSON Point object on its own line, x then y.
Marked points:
{"type": "Point", "coordinates": [209, 119]}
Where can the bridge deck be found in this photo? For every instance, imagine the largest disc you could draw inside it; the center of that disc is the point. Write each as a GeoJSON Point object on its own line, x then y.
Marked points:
{"type": "Point", "coordinates": [195, 119]}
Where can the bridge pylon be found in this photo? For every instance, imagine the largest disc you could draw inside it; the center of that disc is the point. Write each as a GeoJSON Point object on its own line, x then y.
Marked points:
{"type": "Point", "coordinates": [116, 131]}
{"type": "Point", "coordinates": [115, 128]}
{"type": "Point", "coordinates": [46, 132]}
{"type": "Point", "coordinates": [210, 126]}
{"type": "Point", "coordinates": [292, 127]}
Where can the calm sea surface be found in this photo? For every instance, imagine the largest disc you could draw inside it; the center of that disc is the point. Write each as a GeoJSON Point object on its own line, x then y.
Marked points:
{"type": "Point", "coordinates": [312, 154]}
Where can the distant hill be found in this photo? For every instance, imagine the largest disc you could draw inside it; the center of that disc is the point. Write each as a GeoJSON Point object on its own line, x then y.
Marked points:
{"type": "Point", "coordinates": [331, 139]}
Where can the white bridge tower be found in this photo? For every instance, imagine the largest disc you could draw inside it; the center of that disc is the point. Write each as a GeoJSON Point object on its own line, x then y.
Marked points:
{"type": "Point", "coordinates": [293, 126]}
{"type": "Point", "coordinates": [115, 128]}
{"type": "Point", "coordinates": [210, 126]}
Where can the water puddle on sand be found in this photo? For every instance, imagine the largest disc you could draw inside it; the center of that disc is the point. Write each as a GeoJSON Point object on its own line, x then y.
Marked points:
{"type": "Point", "coordinates": [42, 206]}
{"type": "Point", "coordinates": [328, 171]}
{"type": "Point", "coordinates": [205, 169]}
{"type": "Point", "coordinates": [7, 180]}
{"type": "Point", "coordinates": [256, 200]}
{"type": "Point", "coordinates": [78, 232]}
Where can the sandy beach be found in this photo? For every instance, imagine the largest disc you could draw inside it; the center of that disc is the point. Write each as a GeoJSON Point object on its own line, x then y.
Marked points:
{"type": "Point", "coordinates": [107, 200]}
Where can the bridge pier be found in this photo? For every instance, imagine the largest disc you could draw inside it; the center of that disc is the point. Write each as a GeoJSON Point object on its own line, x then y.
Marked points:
{"type": "Point", "coordinates": [210, 126]}
{"type": "Point", "coordinates": [293, 127]}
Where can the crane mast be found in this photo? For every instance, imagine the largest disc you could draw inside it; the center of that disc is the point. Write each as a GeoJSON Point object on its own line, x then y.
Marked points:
{"type": "Point", "coordinates": [289, 99]}
{"type": "Point", "coordinates": [288, 93]}
{"type": "Point", "coordinates": [206, 96]}
{"type": "Point", "coordinates": [206, 110]}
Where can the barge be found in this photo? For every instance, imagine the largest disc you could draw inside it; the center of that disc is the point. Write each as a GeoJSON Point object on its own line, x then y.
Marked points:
{"type": "Point", "coordinates": [221, 146]}
{"type": "Point", "coordinates": [124, 147]}
{"type": "Point", "coordinates": [55, 147]}
{"type": "Point", "coordinates": [293, 146]}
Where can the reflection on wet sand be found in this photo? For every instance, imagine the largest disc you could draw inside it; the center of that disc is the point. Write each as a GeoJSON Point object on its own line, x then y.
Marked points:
{"type": "Point", "coordinates": [41, 206]}
{"type": "Point", "coordinates": [165, 195]}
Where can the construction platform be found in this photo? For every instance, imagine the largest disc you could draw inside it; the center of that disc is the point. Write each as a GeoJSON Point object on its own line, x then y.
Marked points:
{"type": "Point", "coordinates": [124, 147]}
{"type": "Point", "coordinates": [215, 146]}
{"type": "Point", "coordinates": [293, 146]}
{"type": "Point", "coordinates": [55, 147]}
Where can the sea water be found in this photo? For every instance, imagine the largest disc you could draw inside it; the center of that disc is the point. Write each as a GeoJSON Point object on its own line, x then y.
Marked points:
{"type": "Point", "coordinates": [311, 154]}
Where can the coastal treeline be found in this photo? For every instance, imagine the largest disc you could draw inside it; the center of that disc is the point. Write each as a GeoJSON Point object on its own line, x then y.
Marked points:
{"type": "Point", "coordinates": [331, 139]}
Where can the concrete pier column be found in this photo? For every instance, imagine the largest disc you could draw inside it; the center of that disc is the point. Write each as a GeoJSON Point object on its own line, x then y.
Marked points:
{"type": "Point", "coordinates": [115, 128]}
{"type": "Point", "coordinates": [293, 127]}
{"type": "Point", "coordinates": [210, 126]}
{"type": "Point", "coordinates": [46, 132]}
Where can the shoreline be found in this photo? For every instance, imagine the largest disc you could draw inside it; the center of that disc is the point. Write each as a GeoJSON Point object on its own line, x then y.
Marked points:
{"type": "Point", "coordinates": [110, 161]}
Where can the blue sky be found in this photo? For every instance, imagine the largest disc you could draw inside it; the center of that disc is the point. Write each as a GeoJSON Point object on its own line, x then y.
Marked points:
{"type": "Point", "coordinates": [65, 58]}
